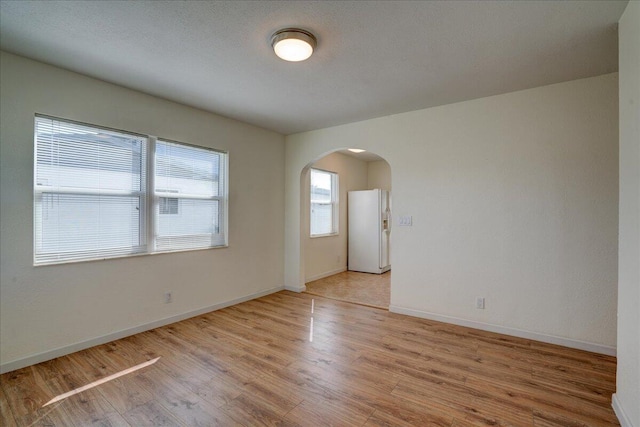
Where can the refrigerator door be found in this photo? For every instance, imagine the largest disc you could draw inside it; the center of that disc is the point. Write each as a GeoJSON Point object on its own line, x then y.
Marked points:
{"type": "Point", "coordinates": [366, 232]}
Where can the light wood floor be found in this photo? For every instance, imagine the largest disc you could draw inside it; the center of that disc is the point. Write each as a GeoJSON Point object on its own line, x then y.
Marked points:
{"type": "Point", "coordinates": [373, 290]}
{"type": "Point", "coordinates": [296, 359]}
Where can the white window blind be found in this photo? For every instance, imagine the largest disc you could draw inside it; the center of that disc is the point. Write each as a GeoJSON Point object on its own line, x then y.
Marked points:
{"type": "Point", "coordinates": [191, 196]}
{"type": "Point", "coordinates": [90, 194]}
{"type": "Point", "coordinates": [324, 203]}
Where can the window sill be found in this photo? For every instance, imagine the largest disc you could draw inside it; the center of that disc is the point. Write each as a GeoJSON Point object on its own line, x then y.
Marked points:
{"type": "Point", "coordinates": [144, 254]}
{"type": "Point", "coordinates": [316, 236]}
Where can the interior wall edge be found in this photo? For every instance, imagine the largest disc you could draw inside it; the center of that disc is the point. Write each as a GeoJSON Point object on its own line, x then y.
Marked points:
{"type": "Point", "coordinates": [63, 351]}
{"type": "Point", "coordinates": [624, 419]}
{"type": "Point", "coordinates": [520, 333]}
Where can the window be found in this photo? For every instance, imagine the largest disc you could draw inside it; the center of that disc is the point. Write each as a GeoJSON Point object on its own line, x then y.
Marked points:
{"type": "Point", "coordinates": [92, 200]}
{"type": "Point", "coordinates": [194, 206]}
{"type": "Point", "coordinates": [90, 192]}
{"type": "Point", "coordinates": [324, 203]}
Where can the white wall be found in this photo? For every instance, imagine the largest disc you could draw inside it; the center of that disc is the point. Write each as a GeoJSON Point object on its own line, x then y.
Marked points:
{"type": "Point", "coordinates": [325, 256]}
{"type": "Point", "coordinates": [513, 197]}
{"type": "Point", "coordinates": [68, 306]}
{"type": "Point", "coordinates": [379, 175]}
{"type": "Point", "coordinates": [627, 397]}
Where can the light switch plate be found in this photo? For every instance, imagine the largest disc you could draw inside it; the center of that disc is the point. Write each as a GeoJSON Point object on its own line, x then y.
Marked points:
{"type": "Point", "coordinates": [406, 221]}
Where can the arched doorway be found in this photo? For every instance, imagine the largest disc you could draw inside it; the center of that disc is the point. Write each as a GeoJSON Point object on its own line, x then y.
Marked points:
{"type": "Point", "coordinates": [325, 236]}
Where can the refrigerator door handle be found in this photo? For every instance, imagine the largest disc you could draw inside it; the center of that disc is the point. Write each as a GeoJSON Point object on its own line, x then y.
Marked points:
{"type": "Point", "coordinates": [386, 220]}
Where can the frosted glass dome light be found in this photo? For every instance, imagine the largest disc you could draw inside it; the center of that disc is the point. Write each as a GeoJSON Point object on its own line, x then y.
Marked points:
{"type": "Point", "coordinates": [293, 44]}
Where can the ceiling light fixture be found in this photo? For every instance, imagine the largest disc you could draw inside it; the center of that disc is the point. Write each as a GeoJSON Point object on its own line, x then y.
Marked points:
{"type": "Point", "coordinates": [356, 150]}
{"type": "Point", "coordinates": [293, 44]}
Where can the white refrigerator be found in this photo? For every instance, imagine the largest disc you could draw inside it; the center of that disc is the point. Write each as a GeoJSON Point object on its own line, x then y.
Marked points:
{"type": "Point", "coordinates": [369, 218]}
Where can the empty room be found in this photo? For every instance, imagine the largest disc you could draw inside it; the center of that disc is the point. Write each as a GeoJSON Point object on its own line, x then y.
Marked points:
{"type": "Point", "coordinates": [320, 213]}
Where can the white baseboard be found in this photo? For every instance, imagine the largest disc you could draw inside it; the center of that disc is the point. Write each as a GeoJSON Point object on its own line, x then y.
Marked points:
{"type": "Point", "coordinates": [61, 351]}
{"type": "Point", "coordinates": [325, 274]}
{"type": "Point", "coordinates": [624, 419]}
{"type": "Point", "coordinates": [297, 289]}
{"type": "Point", "coordinates": [536, 336]}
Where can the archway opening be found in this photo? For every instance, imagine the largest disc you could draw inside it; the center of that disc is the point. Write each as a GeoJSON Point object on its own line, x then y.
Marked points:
{"type": "Point", "coordinates": [345, 216]}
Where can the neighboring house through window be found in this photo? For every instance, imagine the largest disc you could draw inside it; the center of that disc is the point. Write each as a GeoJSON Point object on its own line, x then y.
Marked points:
{"type": "Point", "coordinates": [324, 203]}
{"type": "Point", "coordinates": [168, 205]}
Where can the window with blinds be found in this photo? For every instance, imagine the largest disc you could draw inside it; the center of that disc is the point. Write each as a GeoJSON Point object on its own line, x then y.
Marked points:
{"type": "Point", "coordinates": [91, 201]}
{"type": "Point", "coordinates": [324, 203]}
{"type": "Point", "coordinates": [190, 190]}
{"type": "Point", "coordinates": [90, 192]}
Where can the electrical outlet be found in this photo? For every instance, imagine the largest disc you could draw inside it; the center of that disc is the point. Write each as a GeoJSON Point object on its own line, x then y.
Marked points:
{"type": "Point", "coordinates": [480, 303]}
{"type": "Point", "coordinates": [168, 297]}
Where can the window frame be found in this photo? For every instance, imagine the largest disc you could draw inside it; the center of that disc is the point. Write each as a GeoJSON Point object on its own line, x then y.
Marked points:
{"type": "Point", "coordinates": [147, 194]}
{"type": "Point", "coordinates": [223, 199]}
{"type": "Point", "coordinates": [335, 203]}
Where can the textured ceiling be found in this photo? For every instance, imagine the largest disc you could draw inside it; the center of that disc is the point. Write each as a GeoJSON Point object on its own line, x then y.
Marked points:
{"type": "Point", "coordinates": [373, 58]}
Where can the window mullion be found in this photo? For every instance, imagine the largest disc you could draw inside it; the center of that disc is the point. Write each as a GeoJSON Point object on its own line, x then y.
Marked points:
{"type": "Point", "coordinates": [152, 200]}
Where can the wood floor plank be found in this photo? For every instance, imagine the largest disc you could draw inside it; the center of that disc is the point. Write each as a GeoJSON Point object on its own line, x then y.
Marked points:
{"type": "Point", "coordinates": [151, 414]}
{"type": "Point", "coordinates": [186, 372]}
{"type": "Point", "coordinates": [111, 420]}
{"type": "Point", "coordinates": [399, 418]}
{"type": "Point", "coordinates": [431, 341]}
{"type": "Point", "coordinates": [250, 411]}
{"type": "Point", "coordinates": [6, 416]}
{"type": "Point", "coordinates": [54, 368]}
{"type": "Point", "coordinates": [440, 392]}
{"type": "Point", "coordinates": [124, 394]}
{"type": "Point", "coordinates": [56, 415]}
{"type": "Point", "coordinates": [346, 378]}
{"type": "Point", "coordinates": [489, 411]}
{"type": "Point", "coordinates": [280, 395]}
{"type": "Point", "coordinates": [583, 389]}
{"type": "Point", "coordinates": [329, 412]}
{"type": "Point", "coordinates": [550, 419]}
{"type": "Point", "coordinates": [94, 365]}
{"type": "Point", "coordinates": [259, 363]}
{"type": "Point", "coordinates": [327, 381]}
{"type": "Point", "coordinates": [86, 406]}
{"type": "Point", "coordinates": [210, 355]}
{"type": "Point", "coordinates": [537, 396]}
{"type": "Point", "coordinates": [414, 367]}
{"type": "Point", "coordinates": [597, 362]}
{"type": "Point", "coordinates": [24, 393]}
{"type": "Point", "coordinates": [186, 406]}
{"type": "Point", "coordinates": [560, 374]}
